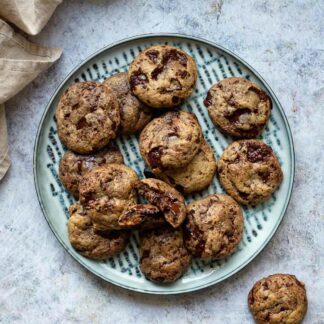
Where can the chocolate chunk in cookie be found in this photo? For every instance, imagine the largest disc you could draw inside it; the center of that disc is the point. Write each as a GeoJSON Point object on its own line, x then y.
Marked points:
{"type": "Point", "coordinates": [168, 200]}
{"type": "Point", "coordinates": [162, 76]}
{"type": "Point", "coordinates": [249, 171]}
{"type": "Point", "coordinates": [87, 117]}
{"type": "Point", "coordinates": [238, 107]}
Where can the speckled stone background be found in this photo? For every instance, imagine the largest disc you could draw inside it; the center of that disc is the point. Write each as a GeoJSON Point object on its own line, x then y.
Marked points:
{"type": "Point", "coordinates": [283, 40]}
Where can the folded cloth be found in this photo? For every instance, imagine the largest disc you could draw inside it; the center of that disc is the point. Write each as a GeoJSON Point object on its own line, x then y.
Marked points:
{"type": "Point", "coordinates": [20, 63]}
{"type": "Point", "coordinates": [29, 15]}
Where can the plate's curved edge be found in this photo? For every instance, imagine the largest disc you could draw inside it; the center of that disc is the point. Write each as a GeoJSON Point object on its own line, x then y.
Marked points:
{"type": "Point", "coordinates": [219, 47]}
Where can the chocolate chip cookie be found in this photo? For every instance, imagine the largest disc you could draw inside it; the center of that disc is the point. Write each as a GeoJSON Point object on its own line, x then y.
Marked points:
{"type": "Point", "coordinates": [90, 242]}
{"type": "Point", "coordinates": [170, 141]}
{"type": "Point", "coordinates": [105, 192]}
{"type": "Point", "coordinates": [87, 117]}
{"type": "Point", "coordinates": [73, 166]}
{"type": "Point", "coordinates": [162, 76]}
{"type": "Point", "coordinates": [134, 114]}
{"type": "Point", "coordinates": [238, 107]}
{"type": "Point", "coordinates": [214, 227]}
{"type": "Point", "coordinates": [249, 171]}
{"type": "Point", "coordinates": [279, 298]}
{"type": "Point", "coordinates": [142, 216]}
{"type": "Point", "coordinates": [163, 256]}
{"type": "Point", "coordinates": [168, 200]}
{"type": "Point", "coordinates": [195, 176]}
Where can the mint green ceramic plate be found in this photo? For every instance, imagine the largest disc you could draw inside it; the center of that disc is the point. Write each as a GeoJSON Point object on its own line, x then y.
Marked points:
{"type": "Point", "coordinates": [214, 63]}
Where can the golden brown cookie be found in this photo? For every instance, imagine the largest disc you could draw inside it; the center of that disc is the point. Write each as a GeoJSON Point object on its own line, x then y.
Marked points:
{"type": "Point", "coordinates": [73, 166]}
{"type": "Point", "coordinates": [279, 298]}
{"type": "Point", "coordinates": [87, 117]}
{"type": "Point", "coordinates": [141, 216]}
{"type": "Point", "coordinates": [238, 107]}
{"type": "Point", "coordinates": [163, 256]}
{"type": "Point", "coordinates": [105, 192]}
{"type": "Point", "coordinates": [214, 227]}
{"type": "Point", "coordinates": [195, 176]}
{"type": "Point", "coordinates": [249, 171]}
{"type": "Point", "coordinates": [162, 76]}
{"type": "Point", "coordinates": [134, 114]}
{"type": "Point", "coordinates": [170, 141]}
{"type": "Point", "coordinates": [168, 200]}
{"type": "Point", "coordinates": [90, 242]}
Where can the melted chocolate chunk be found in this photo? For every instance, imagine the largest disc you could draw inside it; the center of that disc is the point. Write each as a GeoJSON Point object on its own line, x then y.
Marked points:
{"type": "Point", "coordinates": [81, 123]}
{"type": "Point", "coordinates": [192, 232]}
{"type": "Point", "coordinates": [137, 78]}
{"type": "Point", "coordinates": [258, 152]}
{"type": "Point", "coordinates": [174, 55]}
{"type": "Point", "coordinates": [156, 72]}
{"type": "Point", "coordinates": [153, 55]}
{"type": "Point", "coordinates": [182, 74]}
{"type": "Point", "coordinates": [154, 157]}
{"type": "Point", "coordinates": [175, 99]}
{"type": "Point", "coordinates": [209, 100]}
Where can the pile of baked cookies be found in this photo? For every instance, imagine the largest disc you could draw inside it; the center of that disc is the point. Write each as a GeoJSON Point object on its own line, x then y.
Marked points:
{"type": "Point", "coordinates": [144, 101]}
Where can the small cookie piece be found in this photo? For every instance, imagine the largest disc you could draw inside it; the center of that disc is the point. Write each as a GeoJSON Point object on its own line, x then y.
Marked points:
{"type": "Point", "coordinates": [214, 227]}
{"type": "Point", "coordinates": [105, 192]}
{"type": "Point", "coordinates": [169, 201]}
{"type": "Point", "coordinates": [195, 176]}
{"type": "Point", "coordinates": [90, 242]}
{"type": "Point", "coordinates": [170, 141]}
{"type": "Point", "coordinates": [162, 76]}
{"type": "Point", "coordinates": [249, 171]}
{"type": "Point", "coordinates": [73, 166]}
{"type": "Point", "coordinates": [143, 216]}
{"type": "Point", "coordinates": [87, 117]}
{"type": "Point", "coordinates": [279, 298]}
{"type": "Point", "coordinates": [238, 107]}
{"type": "Point", "coordinates": [134, 114]}
{"type": "Point", "coordinates": [163, 256]}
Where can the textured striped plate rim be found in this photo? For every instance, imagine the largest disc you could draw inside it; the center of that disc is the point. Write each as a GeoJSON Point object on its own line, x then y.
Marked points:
{"type": "Point", "coordinates": [184, 38]}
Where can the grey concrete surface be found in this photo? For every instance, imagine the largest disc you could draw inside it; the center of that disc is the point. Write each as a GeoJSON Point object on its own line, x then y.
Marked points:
{"type": "Point", "coordinates": [283, 40]}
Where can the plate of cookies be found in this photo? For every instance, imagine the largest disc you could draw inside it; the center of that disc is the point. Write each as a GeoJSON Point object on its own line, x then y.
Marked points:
{"type": "Point", "coordinates": [164, 163]}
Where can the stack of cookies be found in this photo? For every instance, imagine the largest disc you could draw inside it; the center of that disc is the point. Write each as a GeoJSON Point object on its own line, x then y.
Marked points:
{"type": "Point", "coordinates": [111, 199]}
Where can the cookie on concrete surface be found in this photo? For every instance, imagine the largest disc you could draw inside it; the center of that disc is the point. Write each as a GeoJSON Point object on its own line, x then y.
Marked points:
{"type": "Point", "coordinates": [87, 117]}
{"type": "Point", "coordinates": [163, 256]}
{"type": "Point", "coordinates": [73, 166]}
{"type": "Point", "coordinates": [162, 76]}
{"type": "Point", "coordinates": [214, 227]}
{"type": "Point", "coordinates": [105, 192]}
{"type": "Point", "coordinates": [141, 216]}
{"type": "Point", "coordinates": [168, 200]}
{"type": "Point", "coordinates": [134, 114]}
{"type": "Point", "coordinates": [279, 298]}
{"type": "Point", "coordinates": [90, 242]}
{"type": "Point", "coordinates": [170, 141]}
{"type": "Point", "coordinates": [249, 171]}
{"type": "Point", "coordinates": [195, 176]}
{"type": "Point", "coordinates": [238, 107]}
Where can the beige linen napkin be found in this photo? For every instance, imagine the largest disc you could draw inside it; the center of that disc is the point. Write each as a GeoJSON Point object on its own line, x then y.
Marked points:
{"type": "Point", "coordinates": [29, 15]}
{"type": "Point", "coordinates": [20, 63]}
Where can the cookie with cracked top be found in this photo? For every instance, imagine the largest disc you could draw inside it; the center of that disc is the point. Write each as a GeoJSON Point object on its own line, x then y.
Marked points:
{"type": "Point", "coordinates": [238, 107]}
{"type": "Point", "coordinates": [279, 298]}
{"type": "Point", "coordinates": [88, 241]}
{"type": "Point", "coordinates": [163, 256]}
{"type": "Point", "coordinates": [105, 192]}
{"type": "Point", "coordinates": [170, 141]}
{"type": "Point", "coordinates": [73, 166]}
{"type": "Point", "coordinates": [87, 117]}
{"type": "Point", "coordinates": [134, 114]}
{"type": "Point", "coordinates": [168, 200]}
{"type": "Point", "coordinates": [214, 227]}
{"type": "Point", "coordinates": [162, 76]}
{"type": "Point", "coordinates": [195, 176]}
{"type": "Point", "coordinates": [249, 171]}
